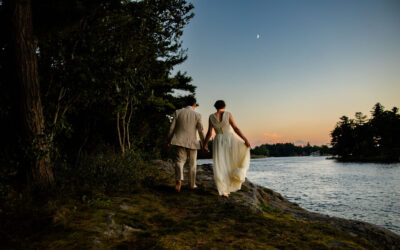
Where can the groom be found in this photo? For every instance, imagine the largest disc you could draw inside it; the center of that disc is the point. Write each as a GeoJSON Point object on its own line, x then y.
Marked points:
{"type": "Point", "coordinates": [182, 134]}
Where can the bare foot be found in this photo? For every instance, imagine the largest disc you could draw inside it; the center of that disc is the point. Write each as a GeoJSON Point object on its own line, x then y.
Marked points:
{"type": "Point", "coordinates": [225, 195]}
{"type": "Point", "coordinates": [194, 187]}
{"type": "Point", "coordinates": [178, 186]}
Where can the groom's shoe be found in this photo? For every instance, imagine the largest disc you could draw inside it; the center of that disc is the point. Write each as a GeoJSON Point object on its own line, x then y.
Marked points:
{"type": "Point", "coordinates": [178, 186]}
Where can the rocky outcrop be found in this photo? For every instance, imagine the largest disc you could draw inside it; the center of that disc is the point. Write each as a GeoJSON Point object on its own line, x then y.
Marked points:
{"type": "Point", "coordinates": [257, 198]}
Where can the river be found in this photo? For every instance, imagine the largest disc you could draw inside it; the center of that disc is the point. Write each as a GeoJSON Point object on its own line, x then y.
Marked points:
{"type": "Point", "coordinates": [368, 192]}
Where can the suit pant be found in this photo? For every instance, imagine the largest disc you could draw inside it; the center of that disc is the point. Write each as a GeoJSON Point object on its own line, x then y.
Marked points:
{"type": "Point", "coordinates": [181, 156]}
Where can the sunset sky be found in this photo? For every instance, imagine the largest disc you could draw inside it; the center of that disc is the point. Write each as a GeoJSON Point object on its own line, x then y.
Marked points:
{"type": "Point", "coordinates": [313, 62]}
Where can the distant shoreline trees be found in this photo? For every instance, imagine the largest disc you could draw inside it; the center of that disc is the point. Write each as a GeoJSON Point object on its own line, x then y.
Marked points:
{"type": "Point", "coordinates": [372, 140]}
{"type": "Point", "coordinates": [278, 150]}
{"type": "Point", "coordinates": [289, 149]}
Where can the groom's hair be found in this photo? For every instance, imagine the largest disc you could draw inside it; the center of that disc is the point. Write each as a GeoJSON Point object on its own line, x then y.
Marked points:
{"type": "Point", "coordinates": [190, 101]}
{"type": "Point", "coordinates": [220, 104]}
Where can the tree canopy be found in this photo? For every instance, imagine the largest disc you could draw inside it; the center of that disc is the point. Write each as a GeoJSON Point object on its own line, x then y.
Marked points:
{"type": "Point", "coordinates": [374, 139]}
{"type": "Point", "coordinates": [106, 74]}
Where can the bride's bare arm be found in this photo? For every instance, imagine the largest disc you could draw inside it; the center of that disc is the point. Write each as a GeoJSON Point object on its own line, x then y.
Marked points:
{"type": "Point", "coordinates": [208, 136]}
{"type": "Point", "coordinates": [237, 131]}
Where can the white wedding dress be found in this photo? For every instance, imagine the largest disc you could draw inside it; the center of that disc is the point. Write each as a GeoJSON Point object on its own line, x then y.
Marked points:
{"type": "Point", "coordinates": [231, 156]}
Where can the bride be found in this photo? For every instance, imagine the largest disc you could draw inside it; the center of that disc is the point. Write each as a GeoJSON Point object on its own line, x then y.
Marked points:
{"type": "Point", "coordinates": [231, 156]}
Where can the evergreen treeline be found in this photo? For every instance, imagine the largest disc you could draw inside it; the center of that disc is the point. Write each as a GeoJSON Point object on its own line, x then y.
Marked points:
{"type": "Point", "coordinates": [84, 82]}
{"type": "Point", "coordinates": [289, 149]}
{"type": "Point", "coordinates": [374, 139]}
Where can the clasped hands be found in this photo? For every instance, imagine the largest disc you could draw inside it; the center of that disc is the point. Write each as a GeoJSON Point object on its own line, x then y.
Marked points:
{"type": "Point", "coordinates": [204, 147]}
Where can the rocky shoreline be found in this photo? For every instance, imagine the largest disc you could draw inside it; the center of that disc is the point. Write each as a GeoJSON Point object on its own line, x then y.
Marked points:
{"type": "Point", "coordinates": [256, 197]}
{"type": "Point", "coordinates": [153, 215]}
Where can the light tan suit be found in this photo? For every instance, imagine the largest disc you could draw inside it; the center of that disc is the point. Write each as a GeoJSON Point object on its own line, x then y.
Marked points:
{"type": "Point", "coordinates": [183, 134]}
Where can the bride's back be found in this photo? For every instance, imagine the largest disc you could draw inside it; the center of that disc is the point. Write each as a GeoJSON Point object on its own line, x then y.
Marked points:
{"type": "Point", "coordinates": [221, 126]}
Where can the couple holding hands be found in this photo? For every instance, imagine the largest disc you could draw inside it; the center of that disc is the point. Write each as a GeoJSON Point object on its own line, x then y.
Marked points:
{"type": "Point", "coordinates": [231, 155]}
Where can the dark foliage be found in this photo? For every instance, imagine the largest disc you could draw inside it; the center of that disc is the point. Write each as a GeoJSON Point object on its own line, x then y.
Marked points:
{"type": "Point", "coordinates": [376, 139]}
{"type": "Point", "coordinates": [107, 89]}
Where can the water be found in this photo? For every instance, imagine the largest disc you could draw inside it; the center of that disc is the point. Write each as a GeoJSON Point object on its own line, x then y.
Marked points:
{"type": "Point", "coordinates": [361, 191]}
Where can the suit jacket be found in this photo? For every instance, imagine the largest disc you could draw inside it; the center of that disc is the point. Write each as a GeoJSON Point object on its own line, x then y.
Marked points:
{"type": "Point", "coordinates": [183, 129]}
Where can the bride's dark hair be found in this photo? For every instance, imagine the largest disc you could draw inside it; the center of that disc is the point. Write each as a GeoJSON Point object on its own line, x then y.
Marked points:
{"type": "Point", "coordinates": [220, 104]}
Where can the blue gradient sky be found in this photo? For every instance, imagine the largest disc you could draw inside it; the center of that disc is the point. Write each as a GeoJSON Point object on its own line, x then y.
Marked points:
{"type": "Point", "coordinates": [314, 62]}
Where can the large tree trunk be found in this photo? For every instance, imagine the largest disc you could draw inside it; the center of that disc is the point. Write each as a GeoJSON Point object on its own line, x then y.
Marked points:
{"type": "Point", "coordinates": [26, 67]}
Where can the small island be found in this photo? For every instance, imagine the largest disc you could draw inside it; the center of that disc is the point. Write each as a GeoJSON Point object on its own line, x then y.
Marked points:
{"type": "Point", "coordinates": [368, 140]}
